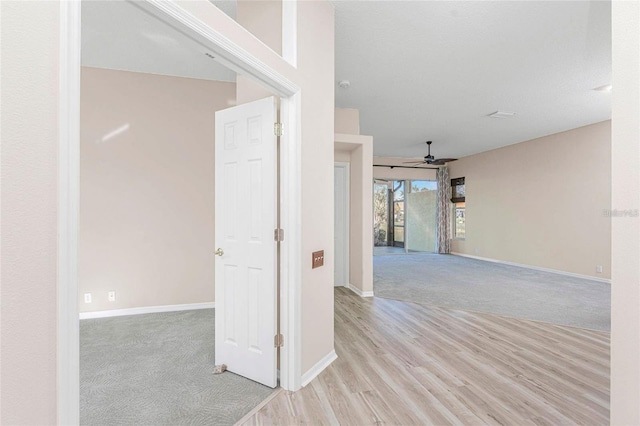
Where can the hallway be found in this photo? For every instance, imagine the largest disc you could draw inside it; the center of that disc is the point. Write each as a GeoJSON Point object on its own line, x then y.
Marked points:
{"type": "Point", "coordinates": [403, 363]}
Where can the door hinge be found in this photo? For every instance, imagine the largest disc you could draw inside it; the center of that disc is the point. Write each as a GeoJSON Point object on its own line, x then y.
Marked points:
{"type": "Point", "coordinates": [277, 129]}
{"type": "Point", "coordinates": [278, 340]}
{"type": "Point", "coordinates": [278, 234]}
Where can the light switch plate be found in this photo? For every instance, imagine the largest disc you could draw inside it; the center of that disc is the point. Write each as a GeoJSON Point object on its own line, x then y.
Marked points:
{"type": "Point", "coordinates": [317, 259]}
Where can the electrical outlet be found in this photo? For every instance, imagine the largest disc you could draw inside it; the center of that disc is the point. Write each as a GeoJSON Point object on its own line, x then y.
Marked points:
{"type": "Point", "coordinates": [112, 296]}
{"type": "Point", "coordinates": [476, 250]}
{"type": "Point", "coordinates": [599, 269]}
{"type": "Point", "coordinates": [87, 298]}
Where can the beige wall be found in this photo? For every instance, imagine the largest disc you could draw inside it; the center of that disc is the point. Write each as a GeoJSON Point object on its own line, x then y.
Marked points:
{"type": "Point", "coordinates": [248, 90]}
{"type": "Point", "coordinates": [30, 49]}
{"type": "Point", "coordinates": [263, 18]}
{"type": "Point", "coordinates": [316, 64]}
{"type": "Point", "coordinates": [541, 202]}
{"type": "Point", "coordinates": [342, 156]}
{"type": "Point", "coordinates": [29, 124]}
{"type": "Point", "coordinates": [347, 121]}
{"type": "Point", "coordinates": [625, 245]}
{"type": "Point", "coordinates": [358, 151]}
{"type": "Point", "coordinates": [147, 194]}
{"type": "Point", "coordinates": [315, 75]}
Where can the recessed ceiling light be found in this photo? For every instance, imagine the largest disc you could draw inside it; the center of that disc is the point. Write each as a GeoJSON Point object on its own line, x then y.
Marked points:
{"type": "Point", "coordinates": [502, 114]}
{"type": "Point", "coordinates": [344, 84]}
{"type": "Point", "coordinates": [605, 88]}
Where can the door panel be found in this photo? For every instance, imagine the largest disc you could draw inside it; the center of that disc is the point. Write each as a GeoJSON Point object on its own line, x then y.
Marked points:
{"type": "Point", "coordinates": [246, 202]}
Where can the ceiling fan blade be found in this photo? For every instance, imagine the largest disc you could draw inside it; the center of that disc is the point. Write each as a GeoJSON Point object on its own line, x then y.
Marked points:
{"type": "Point", "coordinates": [413, 162]}
{"type": "Point", "coordinates": [443, 161]}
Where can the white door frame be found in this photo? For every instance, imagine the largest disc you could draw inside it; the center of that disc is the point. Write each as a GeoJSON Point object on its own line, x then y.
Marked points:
{"type": "Point", "coordinates": [347, 192]}
{"type": "Point", "coordinates": [241, 61]}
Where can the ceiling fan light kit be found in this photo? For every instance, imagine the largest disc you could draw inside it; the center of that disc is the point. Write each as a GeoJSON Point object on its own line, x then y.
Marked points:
{"type": "Point", "coordinates": [431, 160]}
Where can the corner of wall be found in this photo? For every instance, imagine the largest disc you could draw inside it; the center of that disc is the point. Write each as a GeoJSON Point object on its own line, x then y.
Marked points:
{"type": "Point", "coordinates": [625, 268]}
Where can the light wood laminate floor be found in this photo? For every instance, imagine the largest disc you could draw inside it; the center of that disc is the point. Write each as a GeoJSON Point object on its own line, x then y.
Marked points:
{"type": "Point", "coordinates": [403, 363]}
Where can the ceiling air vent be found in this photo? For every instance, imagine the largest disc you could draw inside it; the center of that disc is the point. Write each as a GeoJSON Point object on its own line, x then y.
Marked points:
{"type": "Point", "coordinates": [502, 114]}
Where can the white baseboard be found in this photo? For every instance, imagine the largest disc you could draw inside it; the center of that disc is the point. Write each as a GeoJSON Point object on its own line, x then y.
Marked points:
{"type": "Point", "coordinates": [359, 292]}
{"type": "Point", "coordinates": [146, 310]}
{"type": "Point", "coordinates": [536, 268]}
{"type": "Point", "coordinates": [319, 367]}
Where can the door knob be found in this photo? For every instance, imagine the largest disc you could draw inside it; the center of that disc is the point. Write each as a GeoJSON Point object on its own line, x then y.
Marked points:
{"type": "Point", "coordinates": [219, 252]}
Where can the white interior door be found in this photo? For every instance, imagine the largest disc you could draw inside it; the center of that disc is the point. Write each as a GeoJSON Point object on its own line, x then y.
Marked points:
{"type": "Point", "coordinates": [246, 202]}
{"type": "Point", "coordinates": [341, 224]}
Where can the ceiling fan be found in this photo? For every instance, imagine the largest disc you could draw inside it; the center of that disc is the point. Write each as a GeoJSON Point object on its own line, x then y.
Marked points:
{"type": "Point", "coordinates": [431, 160]}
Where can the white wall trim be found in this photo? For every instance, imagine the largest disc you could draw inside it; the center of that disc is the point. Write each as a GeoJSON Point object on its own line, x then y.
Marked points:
{"type": "Point", "coordinates": [68, 352]}
{"type": "Point", "coordinates": [146, 310]}
{"type": "Point", "coordinates": [359, 292]}
{"type": "Point", "coordinates": [291, 247]}
{"type": "Point", "coordinates": [290, 32]}
{"type": "Point", "coordinates": [536, 268]}
{"type": "Point", "coordinates": [319, 367]}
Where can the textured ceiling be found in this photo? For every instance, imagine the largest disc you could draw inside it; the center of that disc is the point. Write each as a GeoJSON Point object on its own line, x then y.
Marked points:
{"type": "Point", "coordinates": [434, 71]}
{"type": "Point", "coordinates": [118, 35]}
{"type": "Point", "coordinates": [419, 70]}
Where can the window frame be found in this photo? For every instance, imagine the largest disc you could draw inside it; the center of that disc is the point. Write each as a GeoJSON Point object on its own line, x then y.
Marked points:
{"type": "Point", "coordinates": [454, 220]}
{"type": "Point", "coordinates": [454, 183]}
{"type": "Point", "coordinates": [455, 201]}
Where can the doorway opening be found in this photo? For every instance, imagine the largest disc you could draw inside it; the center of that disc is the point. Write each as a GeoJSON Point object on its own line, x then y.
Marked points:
{"type": "Point", "coordinates": [238, 61]}
{"type": "Point", "coordinates": [155, 194]}
{"type": "Point", "coordinates": [405, 216]}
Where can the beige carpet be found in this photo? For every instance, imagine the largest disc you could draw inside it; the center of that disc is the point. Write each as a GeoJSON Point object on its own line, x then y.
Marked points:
{"type": "Point", "coordinates": [156, 369]}
{"type": "Point", "coordinates": [475, 285]}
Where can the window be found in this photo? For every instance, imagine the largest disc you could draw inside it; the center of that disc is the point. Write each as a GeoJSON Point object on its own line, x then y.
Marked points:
{"type": "Point", "coordinates": [458, 200]}
{"type": "Point", "coordinates": [458, 218]}
{"type": "Point", "coordinates": [457, 190]}
{"type": "Point", "coordinates": [398, 214]}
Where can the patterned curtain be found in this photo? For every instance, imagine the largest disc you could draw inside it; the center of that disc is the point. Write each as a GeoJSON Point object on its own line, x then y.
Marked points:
{"type": "Point", "coordinates": [444, 211]}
